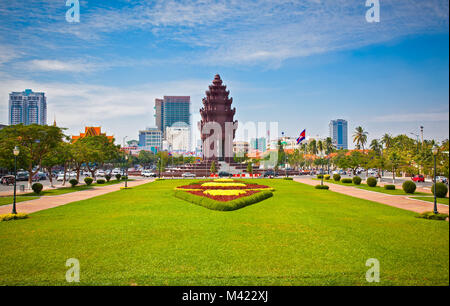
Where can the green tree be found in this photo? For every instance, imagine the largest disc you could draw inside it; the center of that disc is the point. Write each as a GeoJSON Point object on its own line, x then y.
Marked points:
{"type": "Point", "coordinates": [360, 137]}
{"type": "Point", "coordinates": [213, 167]}
{"type": "Point", "coordinates": [312, 147]}
{"type": "Point", "coordinates": [34, 141]}
{"type": "Point", "coordinates": [250, 168]}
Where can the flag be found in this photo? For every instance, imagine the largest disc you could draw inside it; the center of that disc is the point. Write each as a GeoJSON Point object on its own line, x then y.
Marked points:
{"type": "Point", "coordinates": [301, 137]}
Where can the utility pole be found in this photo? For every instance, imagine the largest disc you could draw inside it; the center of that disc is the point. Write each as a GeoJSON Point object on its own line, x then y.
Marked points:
{"type": "Point", "coordinates": [421, 133]}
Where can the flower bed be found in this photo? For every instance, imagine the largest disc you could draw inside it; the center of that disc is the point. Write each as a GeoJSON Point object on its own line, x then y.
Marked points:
{"type": "Point", "coordinates": [223, 194]}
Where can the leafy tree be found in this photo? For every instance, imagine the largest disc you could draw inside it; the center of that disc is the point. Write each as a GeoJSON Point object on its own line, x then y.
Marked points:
{"type": "Point", "coordinates": [59, 155]}
{"type": "Point", "coordinates": [213, 167]}
{"type": "Point", "coordinates": [250, 168]}
{"type": "Point", "coordinates": [395, 160]}
{"type": "Point", "coordinates": [34, 141]}
{"type": "Point", "coordinates": [312, 147]}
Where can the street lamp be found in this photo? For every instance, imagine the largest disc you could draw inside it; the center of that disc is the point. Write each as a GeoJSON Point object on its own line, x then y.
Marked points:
{"type": "Point", "coordinates": [321, 155]}
{"type": "Point", "coordinates": [126, 173]}
{"type": "Point", "coordinates": [435, 151]}
{"type": "Point", "coordinates": [16, 152]}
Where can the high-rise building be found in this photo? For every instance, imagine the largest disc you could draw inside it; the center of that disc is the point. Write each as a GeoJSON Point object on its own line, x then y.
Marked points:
{"type": "Point", "coordinates": [258, 144]}
{"type": "Point", "coordinates": [27, 107]}
{"type": "Point", "coordinates": [178, 137]}
{"type": "Point", "coordinates": [339, 133]}
{"type": "Point", "coordinates": [171, 110]}
{"type": "Point", "coordinates": [150, 139]}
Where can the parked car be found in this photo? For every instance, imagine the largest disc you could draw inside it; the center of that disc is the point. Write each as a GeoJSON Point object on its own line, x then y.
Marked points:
{"type": "Point", "coordinates": [148, 173]}
{"type": "Point", "coordinates": [270, 173]}
{"type": "Point", "coordinates": [442, 179]}
{"type": "Point", "coordinates": [224, 174]}
{"type": "Point", "coordinates": [188, 174]}
{"type": "Point", "coordinates": [22, 176]}
{"type": "Point", "coordinates": [7, 180]}
{"type": "Point", "coordinates": [418, 178]}
{"type": "Point", "coordinates": [100, 173]}
{"type": "Point", "coordinates": [40, 176]}
{"type": "Point", "coordinates": [60, 177]}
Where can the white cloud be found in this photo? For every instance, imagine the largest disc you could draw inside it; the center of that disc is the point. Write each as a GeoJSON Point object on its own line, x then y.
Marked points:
{"type": "Point", "coordinates": [56, 65]}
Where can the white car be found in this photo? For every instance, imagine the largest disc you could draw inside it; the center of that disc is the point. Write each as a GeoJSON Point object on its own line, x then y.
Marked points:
{"type": "Point", "coordinates": [99, 173]}
{"type": "Point", "coordinates": [60, 177]}
{"type": "Point", "coordinates": [148, 173]}
{"type": "Point", "coordinates": [188, 174]}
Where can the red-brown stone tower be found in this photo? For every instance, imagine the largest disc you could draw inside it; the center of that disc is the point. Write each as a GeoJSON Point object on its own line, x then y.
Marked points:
{"type": "Point", "coordinates": [217, 109]}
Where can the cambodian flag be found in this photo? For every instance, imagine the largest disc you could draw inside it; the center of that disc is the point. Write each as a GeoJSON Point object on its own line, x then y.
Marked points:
{"type": "Point", "coordinates": [302, 137]}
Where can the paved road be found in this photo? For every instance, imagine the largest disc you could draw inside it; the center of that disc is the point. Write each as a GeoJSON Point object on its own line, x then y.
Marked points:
{"type": "Point", "coordinates": [398, 201]}
{"type": "Point", "coordinates": [47, 202]}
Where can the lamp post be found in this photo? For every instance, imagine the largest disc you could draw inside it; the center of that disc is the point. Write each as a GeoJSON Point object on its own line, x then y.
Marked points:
{"type": "Point", "coordinates": [16, 152]}
{"type": "Point", "coordinates": [321, 155]}
{"type": "Point", "coordinates": [126, 171]}
{"type": "Point", "coordinates": [435, 151]}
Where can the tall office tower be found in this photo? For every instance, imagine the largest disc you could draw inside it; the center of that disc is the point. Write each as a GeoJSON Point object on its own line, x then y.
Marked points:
{"type": "Point", "coordinates": [339, 133]}
{"type": "Point", "coordinates": [171, 110]}
{"type": "Point", "coordinates": [258, 144]}
{"type": "Point", "coordinates": [27, 107]}
{"type": "Point", "coordinates": [150, 139]}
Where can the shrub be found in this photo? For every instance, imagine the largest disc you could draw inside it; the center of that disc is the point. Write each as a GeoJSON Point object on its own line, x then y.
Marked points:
{"type": "Point", "coordinates": [432, 216]}
{"type": "Point", "coordinates": [371, 182]}
{"type": "Point", "coordinates": [324, 187]}
{"type": "Point", "coordinates": [88, 180]}
{"type": "Point", "coordinates": [9, 217]}
{"type": "Point", "coordinates": [327, 177]}
{"type": "Point", "coordinates": [73, 182]}
{"type": "Point", "coordinates": [118, 176]}
{"type": "Point", "coordinates": [320, 176]}
{"type": "Point", "coordinates": [37, 188]}
{"type": "Point", "coordinates": [160, 179]}
{"type": "Point", "coordinates": [125, 177]}
{"type": "Point", "coordinates": [108, 177]}
{"type": "Point", "coordinates": [336, 177]}
{"type": "Point", "coordinates": [441, 190]}
{"type": "Point", "coordinates": [357, 180]}
{"type": "Point", "coordinates": [409, 186]}
{"type": "Point", "coordinates": [224, 206]}
{"type": "Point", "coordinates": [389, 187]}
{"type": "Point", "coordinates": [288, 178]}
{"type": "Point", "coordinates": [101, 181]}
{"type": "Point", "coordinates": [347, 181]}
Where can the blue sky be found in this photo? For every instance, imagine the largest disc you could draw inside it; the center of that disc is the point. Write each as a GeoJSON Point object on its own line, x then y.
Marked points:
{"type": "Point", "coordinates": [300, 63]}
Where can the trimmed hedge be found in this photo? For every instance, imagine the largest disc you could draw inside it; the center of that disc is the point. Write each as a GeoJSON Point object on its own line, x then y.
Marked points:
{"type": "Point", "coordinates": [371, 182]}
{"type": "Point", "coordinates": [9, 217]}
{"type": "Point", "coordinates": [336, 177]}
{"type": "Point", "coordinates": [288, 178]}
{"type": "Point", "coordinates": [323, 187]}
{"type": "Point", "coordinates": [320, 176]}
{"type": "Point", "coordinates": [441, 190]}
{"type": "Point", "coordinates": [73, 182]}
{"type": "Point", "coordinates": [357, 180]}
{"type": "Point", "coordinates": [101, 181]}
{"type": "Point", "coordinates": [389, 187]}
{"type": "Point", "coordinates": [409, 186]}
{"type": "Point", "coordinates": [223, 206]}
{"type": "Point", "coordinates": [347, 181]}
{"type": "Point", "coordinates": [108, 177]}
{"type": "Point", "coordinates": [88, 180]}
{"type": "Point", "coordinates": [37, 188]}
{"type": "Point", "coordinates": [432, 216]}
{"type": "Point", "coordinates": [327, 177]}
{"type": "Point", "coordinates": [118, 176]}
{"type": "Point", "coordinates": [124, 178]}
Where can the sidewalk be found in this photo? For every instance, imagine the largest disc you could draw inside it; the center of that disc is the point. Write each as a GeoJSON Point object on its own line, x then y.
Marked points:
{"type": "Point", "coordinates": [47, 202]}
{"type": "Point", "coordinates": [398, 201]}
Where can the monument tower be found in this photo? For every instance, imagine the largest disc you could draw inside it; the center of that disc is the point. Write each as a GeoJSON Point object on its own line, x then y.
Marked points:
{"type": "Point", "coordinates": [217, 111]}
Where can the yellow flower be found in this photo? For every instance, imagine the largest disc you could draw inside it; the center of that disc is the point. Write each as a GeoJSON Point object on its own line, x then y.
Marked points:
{"type": "Point", "coordinates": [214, 184]}
{"type": "Point", "coordinates": [224, 180]}
{"type": "Point", "coordinates": [219, 192]}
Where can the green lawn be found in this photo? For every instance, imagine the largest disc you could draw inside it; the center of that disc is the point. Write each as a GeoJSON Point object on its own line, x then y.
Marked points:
{"type": "Point", "coordinates": [397, 191]}
{"type": "Point", "coordinates": [431, 199]}
{"type": "Point", "coordinates": [300, 236]}
{"type": "Point", "coordinates": [9, 200]}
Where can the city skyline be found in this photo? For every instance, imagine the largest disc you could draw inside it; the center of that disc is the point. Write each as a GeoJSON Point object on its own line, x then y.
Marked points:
{"type": "Point", "coordinates": [389, 77]}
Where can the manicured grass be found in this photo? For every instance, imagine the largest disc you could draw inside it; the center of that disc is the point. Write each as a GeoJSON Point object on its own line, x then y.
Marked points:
{"type": "Point", "coordinates": [397, 191]}
{"type": "Point", "coordinates": [9, 200]}
{"type": "Point", "coordinates": [64, 190]}
{"type": "Point", "coordinates": [431, 199]}
{"type": "Point", "coordinates": [300, 236]}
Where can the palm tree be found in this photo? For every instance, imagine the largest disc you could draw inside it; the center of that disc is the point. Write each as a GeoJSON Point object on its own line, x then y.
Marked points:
{"type": "Point", "coordinates": [320, 146]}
{"type": "Point", "coordinates": [360, 137]}
{"type": "Point", "coordinates": [386, 140]}
{"type": "Point", "coordinates": [312, 147]}
{"type": "Point", "coordinates": [329, 147]}
{"type": "Point", "coordinates": [376, 146]}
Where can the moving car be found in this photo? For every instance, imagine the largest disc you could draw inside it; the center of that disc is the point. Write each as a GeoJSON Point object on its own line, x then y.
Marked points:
{"type": "Point", "coordinates": [418, 178]}
{"type": "Point", "coordinates": [148, 173]}
{"type": "Point", "coordinates": [224, 174]}
{"type": "Point", "coordinates": [270, 173]}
